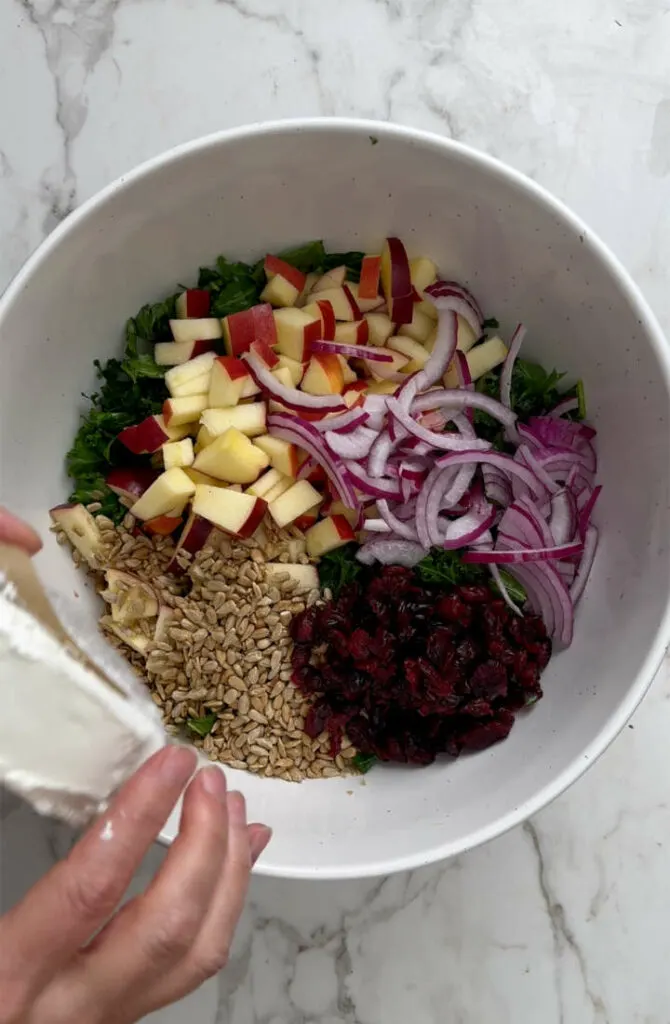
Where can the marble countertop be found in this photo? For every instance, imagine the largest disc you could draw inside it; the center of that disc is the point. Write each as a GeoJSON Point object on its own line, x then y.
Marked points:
{"type": "Point", "coordinates": [565, 920]}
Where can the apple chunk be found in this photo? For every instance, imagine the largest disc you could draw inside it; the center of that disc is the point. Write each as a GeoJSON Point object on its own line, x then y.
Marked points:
{"type": "Point", "coordinates": [194, 302]}
{"type": "Point", "coordinates": [415, 352]}
{"type": "Point", "coordinates": [147, 437]}
{"type": "Point", "coordinates": [235, 513]}
{"type": "Point", "coordinates": [331, 533]}
{"type": "Point", "coordinates": [200, 329]}
{"type": "Point", "coordinates": [296, 330]}
{"type": "Point", "coordinates": [282, 454]}
{"type": "Point", "coordinates": [423, 273]}
{"type": "Point", "coordinates": [397, 281]}
{"type": "Point", "coordinates": [324, 375]}
{"type": "Point", "coordinates": [274, 266]}
{"type": "Point", "coordinates": [173, 353]}
{"type": "Point", "coordinates": [185, 372]}
{"type": "Point", "coordinates": [380, 328]}
{"type": "Point", "coordinates": [342, 301]}
{"type": "Point", "coordinates": [196, 535]}
{"type": "Point", "coordinates": [249, 419]}
{"type": "Point", "coordinates": [169, 492]}
{"type": "Point", "coordinates": [241, 330]}
{"type": "Point", "coordinates": [178, 454]}
{"type": "Point", "coordinates": [229, 375]}
{"type": "Point", "coordinates": [177, 411]}
{"type": "Point", "coordinates": [295, 369]}
{"type": "Point", "coordinates": [355, 333]}
{"type": "Point", "coordinates": [130, 482]}
{"type": "Point", "coordinates": [326, 314]}
{"type": "Point", "coordinates": [334, 278]}
{"type": "Point", "coordinates": [80, 528]}
{"type": "Point", "coordinates": [485, 357]}
{"type": "Point", "coordinates": [293, 503]}
{"type": "Point", "coordinates": [266, 483]}
{"type": "Point", "coordinates": [419, 327]}
{"type": "Point", "coordinates": [232, 457]}
{"type": "Point", "coordinates": [195, 386]}
{"type": "Point", "coordinates": [306, 576]}
{"type": "Point", "coordinates": [368, 288]}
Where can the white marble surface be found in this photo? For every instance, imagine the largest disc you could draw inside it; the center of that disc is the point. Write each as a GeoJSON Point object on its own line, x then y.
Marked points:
{"type": "Point", "coordinates": [566, 920]}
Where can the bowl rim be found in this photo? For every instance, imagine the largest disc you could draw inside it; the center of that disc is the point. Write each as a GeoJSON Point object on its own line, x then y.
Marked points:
{"type": "Point", "coordinates": [359, 126]}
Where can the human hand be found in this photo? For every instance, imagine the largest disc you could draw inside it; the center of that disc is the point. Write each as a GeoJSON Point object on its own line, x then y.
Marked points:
{"type": "Point", "coordinates": [159, 946]}
{"type": "Point", "coordinates": [17, 533]}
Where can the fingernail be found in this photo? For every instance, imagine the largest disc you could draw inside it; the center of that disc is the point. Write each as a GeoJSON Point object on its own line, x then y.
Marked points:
{"type": "Point", "coordinates": [237, 809]}
{"type": "Point", "coordinates": [177, 764]}
{"type": "Point", "coordinates": [259, 840]}
{"type": "Point", "coordinates": [214, 783]}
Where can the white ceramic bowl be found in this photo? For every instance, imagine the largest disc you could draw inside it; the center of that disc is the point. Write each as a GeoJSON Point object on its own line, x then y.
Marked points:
{"type": "Point", "coordinates": [253, 190]}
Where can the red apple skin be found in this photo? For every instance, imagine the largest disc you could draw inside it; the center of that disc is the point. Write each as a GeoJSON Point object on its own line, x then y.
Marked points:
{"type": "Point", "coordinates": [352, 302]}
{"type": "Point", "coordinates": [327, 319]}
{"type": "Point", "coordinates": [369, 283]}
{"type": "Point", "coordinates": [343, 528]}
{"type": "Point", "coordinates": [202, 346]}
{"type": "Point", "coordinates": [196, 301]}
{"type": "Point", "coordinates": [273, 265]}
{"type": "Point", "coordinates": [233, 366]}
{"type": "Point", "coordinates": [254, 520]}
{"type": "Point", "coordinates": [130, 481]}
{"type": "Point", "coordinates": [397, 283]}
{"type": "Point", "coordinates": [306, 520]}
{"type": "Point", "coordinates": [163, 525]}
{"type": "Point", "coordinates": [401, 309]}
{"type": "Point", "coordinates": [194, 537]}
{"type": "Point", "coordinates": [358, 385]}
{"type": "Point", "coordinates": [264, 324]}
{"type": "Point", "coordinates": [264, 352]}
{"type": "Point", "coordinates": [144, 438]}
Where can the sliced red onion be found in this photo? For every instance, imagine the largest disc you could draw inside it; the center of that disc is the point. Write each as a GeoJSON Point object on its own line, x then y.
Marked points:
{"type": "Point", "coordinates": [586, 564]}
{"type": "Point", "coordinates": [463, 370]}
{"type": "Point", "coordinates": [563, 517]}
{"type": "Point", "coordinates": [508, 365]}
{"type": "Point", "coordinates": [586, 509]}
{"type": "Point", "coordinates": [379, 454]}
{"type": "Point", "coordinates": [308, 467]}
{"type": "Point", "coordinates": [456, 400]}
{"type": "Point", "coordinates": [402, 529]}
{"type": "Point", "coordinates": [554, 432]}
{"type": "Point", "coordinates": [376, 526]}
{"type": "Point", "coordinates": [282, 425]}
{"type": "Point", "coordinates": [372, 354]}
{"type": "Point", "coordinates": [496, 485]}
{"type": "Point", "coordinates": [567, 405]}
{"type": "Point", "coordinates": [354, 445]}
{"type": "Point", "coordinates": [454, 288]}
{"type": "Point", "coordinates": [290, 397]}
{"type": "Point", "coordinates": [443, 349]}
{"type": "Point", "coordinates": [469, 528]}
{"type": "Point", "coordinates": [441, 294]}
{"type": "Point", "coordinates": [348, 421]}
{"type": "Point", "coordinates": [377, 488]}
{"type": "Point", "coordinates": [515, 556]}
{"type": "Point", "coordinates": [391, 552]}
{"type": "Point", "coordinates": [524, 453]}
{"type": "Point", "coordinates": [504, 592]}
{"type": "Point", "coordinates": [559, 466]}
{"type": "Point", "coordinates": [445, 441]}
{"type": "Point", "coordinates": [503, 462]}
{"type": "Point", "coordinates": [567, 571]}
{"type": "Point", "coordinates": [463, 424]}
{"type": "Point", "coordinates": [442, 489]}
{"type": "Point", "coordinates": [548, 597]}
{"type": "Point", "coordinates": [533, 512]}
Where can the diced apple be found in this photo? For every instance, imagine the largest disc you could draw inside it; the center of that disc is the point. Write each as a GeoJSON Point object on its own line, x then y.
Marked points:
{"type": "Point", "coordinates": [419, 328]}
{"type": "Point", "coordinates": [354, 394]}
{"type": "Point", "coordinates": [355, 333]}
{"type": "Point", "coordinates": [199, 329]}
{"type": "Point", "coordinates": [173, 353]}
{"type": "Point", "coordinates": [233, 457]}
{"type": "Point", "coordinates": [283, 375]}
{"type": "Point", "coordinates": [171, 490]}
{"type": "Point", "coordinates": [178, 454]}
{"type": "Point", "coordinates": [380, 328]}
{"type": "Point", "coordinates": [151, 434]}
{"type": "Point", "coordinates": [334, 278]}
{"type": "Point", "coordinates": [296, 330]}
{"type": "Point", "coordinates": [265, 483]}
{"type": "Point", "coordinates": [235, 513]}
{"type": "Point", "coordinates": [80, 528]}
{"type": "Point", "coordinates": [466, 336]}
{"type": "Point", "coordinates": [249, 389]}
{"type": "Point", "coordinates": [423, 273]}
{"type": "Point", "coordinates": [306, 576]}
{"type": "Point", "coordinates": [369, 284]}
{"type": "Point", "coordinates": [382, 387]}
{"type": "Point", "coordinates": [202, 478]}
{"type": "Point", "coordinates": [427, 306]}
{"type": "Point", "coordinates": [397, 281]}
{"type": "Point", "coordinates": [418, 356]}
{"type": "Point", "coordinates": [197, 386]}
{"type": "Point", "coordinates": [295, 369]}
{"type": "Point", "coordinates": [279, 292]}
{"type": "Point", "coordinates": [324, 310]}
{"type": "Point", "coordinates": [382, 371]}
{"type": "Point", "coordinates": [331, 533]}
{"type": "Point", "coordinates": [338, 508]}
{"type": "Point", "coordinates": [196, 535]}
{"type": "Point", "coordinates": [343, 303]}
{"type": "Point", "coordinates": [228, 376]}
{"type": "Point", "coordinates": [130, 482]}
{"type": "Point", "coordinates": [266, 354]}
{"type": "Point", "coordinates": [203, 439]}
{"type": "Point", "coordinates": [163, 526]}
{"type": "Point", "coordinates": [177, 411]}
{"type": "Point", "coordinates": [134, 638]}
{"type": "Point", "coordinates": [275, 266]}
{"type": "Point", "coordinates": [323, 375]}
{"type": "Point", "coordinates": [241, 329]}
{"type": "Point", "coordinates": [349, 375]}
{"type": "Point", "coordinates": [279, 488]}
{"type": "Point", "coordinates": [186, 372]}
{"type": "Point", "coordinates": [485, 357]}
{"type": "Point", "coordinates": [250, 419]}
{"type": "Point", "coordinates": [306, 290]}
{"type": "Point", "coordinates": [365, 305]}
{"type": "Point", "coordinates": [307, 519]}
{"type": "Point", "coordinates": [194, 302]}
{"type": "Point", "coordinates": [129, 597]}
{"type": "Point", "coordinates": [293, 503]}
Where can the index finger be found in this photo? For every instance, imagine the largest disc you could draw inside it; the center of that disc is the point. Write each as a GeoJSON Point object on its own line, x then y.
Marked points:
{"type": "Point", "coordinates": [76, 897]}
{"type": "Point", "coordinates": [17, 533]}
